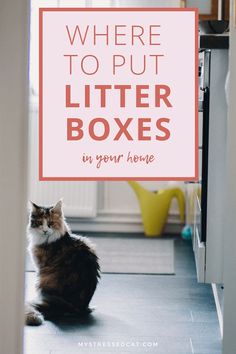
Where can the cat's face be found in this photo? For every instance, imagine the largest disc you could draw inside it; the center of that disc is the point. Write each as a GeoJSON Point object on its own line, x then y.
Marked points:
{"type": "Point", "coordinates": [46, 224]}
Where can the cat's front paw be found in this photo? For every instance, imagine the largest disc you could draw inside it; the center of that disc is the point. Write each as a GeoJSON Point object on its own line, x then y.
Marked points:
{"type": "Point", "coordinates": [32, 316]}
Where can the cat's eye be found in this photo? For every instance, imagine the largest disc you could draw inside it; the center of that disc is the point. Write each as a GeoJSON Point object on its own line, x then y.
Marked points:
{"type": "Point", "coordinates": [36, 223]}
{"type": "Point", "coordinates": [50, 224]}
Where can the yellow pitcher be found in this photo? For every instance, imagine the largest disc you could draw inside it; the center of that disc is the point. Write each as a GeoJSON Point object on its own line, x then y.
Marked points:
{"type": "Point", "coordinates": [155, 206]}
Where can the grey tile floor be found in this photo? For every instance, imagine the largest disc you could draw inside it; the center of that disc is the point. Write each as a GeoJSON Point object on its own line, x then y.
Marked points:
{"type": "Point", "coordinates": [138, 314]}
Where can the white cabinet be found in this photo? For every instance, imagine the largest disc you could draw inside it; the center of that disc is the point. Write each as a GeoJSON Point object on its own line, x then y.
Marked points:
{"type": "Point", "coordinates": [206, 199]}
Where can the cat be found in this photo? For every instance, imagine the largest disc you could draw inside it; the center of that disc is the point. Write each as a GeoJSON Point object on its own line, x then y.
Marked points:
{"type": "Point", "coordinates": [67, 266]}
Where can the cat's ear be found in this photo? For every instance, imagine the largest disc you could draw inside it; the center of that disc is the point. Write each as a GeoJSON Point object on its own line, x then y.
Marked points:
{"type": "Point", "coordinates": [57, 208]}
{"type": "Point", "coordinates": [33, 207]}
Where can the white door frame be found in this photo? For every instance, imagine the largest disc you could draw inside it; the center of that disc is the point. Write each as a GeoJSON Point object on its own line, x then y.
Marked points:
{"type": "Point", "coordinates": [13, 170]}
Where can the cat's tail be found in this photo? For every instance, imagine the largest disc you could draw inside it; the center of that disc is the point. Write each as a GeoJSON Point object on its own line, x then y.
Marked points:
{"type": "Point", "coordinates": [32, 316]}
{"type": "Point", "coordinates": [53, 306]}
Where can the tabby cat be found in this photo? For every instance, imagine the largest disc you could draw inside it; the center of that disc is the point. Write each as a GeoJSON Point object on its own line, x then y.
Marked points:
{"type": "Point", "coordinates": [67, 266]}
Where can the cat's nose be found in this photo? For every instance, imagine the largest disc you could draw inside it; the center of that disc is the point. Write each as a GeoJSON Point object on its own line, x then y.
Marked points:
{"type": "Point", "coordinates": [44, 232]}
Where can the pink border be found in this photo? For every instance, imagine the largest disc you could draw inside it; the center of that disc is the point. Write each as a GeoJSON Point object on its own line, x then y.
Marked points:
{"type": "Point", "coordinates": [41, 177]}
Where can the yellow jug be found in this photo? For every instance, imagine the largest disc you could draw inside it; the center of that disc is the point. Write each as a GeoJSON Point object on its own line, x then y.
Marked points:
{"type": "Point", "coordinates": [155, 206]}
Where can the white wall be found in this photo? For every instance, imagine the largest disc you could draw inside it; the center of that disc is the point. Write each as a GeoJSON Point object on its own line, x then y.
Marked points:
{"type": "Point", "coordinates": [146, 3]}
{"type": "Point", "coordinates": [118, 209]}
{"type": "Point", "coordinates": [118, 197]}
{"type": "Point", "coordinates": [86, 199]}
{"type": "Point", "coordinates": [13, 172]}
{"type": "Point", "coordinates": [115, 199]}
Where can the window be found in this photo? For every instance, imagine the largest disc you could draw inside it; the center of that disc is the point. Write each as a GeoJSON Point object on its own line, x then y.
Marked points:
{"type": "Point", "coordinates": [34, 36]}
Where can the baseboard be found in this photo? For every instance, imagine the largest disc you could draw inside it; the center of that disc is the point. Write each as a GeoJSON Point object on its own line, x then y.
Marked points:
{"type": "Point", "coordinates": [107, 222]}
{"type": "Point", "coordinates": [219, 305]}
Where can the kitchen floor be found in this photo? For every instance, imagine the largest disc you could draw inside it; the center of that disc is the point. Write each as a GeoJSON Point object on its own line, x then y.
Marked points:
{"type": "Point", "coordinates": [170, 314]}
